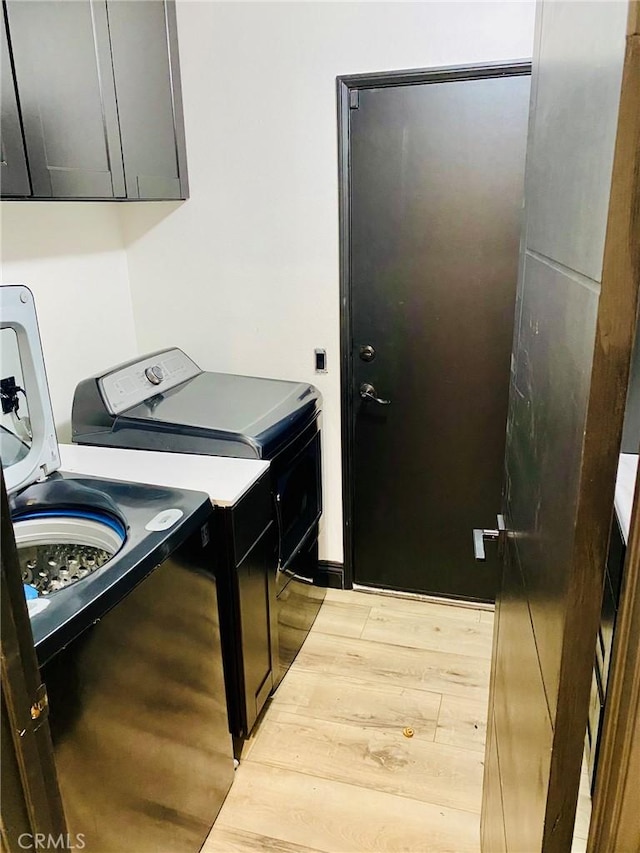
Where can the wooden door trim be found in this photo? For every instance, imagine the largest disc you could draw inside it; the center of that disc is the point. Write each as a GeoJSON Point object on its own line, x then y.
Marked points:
{"type": "Point", "coordinates": [346, 86]}
{"type": "Point", "coordinates": [614, 819]}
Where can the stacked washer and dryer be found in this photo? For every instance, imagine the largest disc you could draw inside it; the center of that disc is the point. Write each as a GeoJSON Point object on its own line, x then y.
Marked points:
{"type": "Point", "coordinates": [123, 603]}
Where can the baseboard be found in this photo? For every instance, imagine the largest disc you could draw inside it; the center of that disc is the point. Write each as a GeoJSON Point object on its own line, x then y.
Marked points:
{"type": "Point", "coordinates": [473, 604]}
{"type": "Point", "coordinates": [330, 574]}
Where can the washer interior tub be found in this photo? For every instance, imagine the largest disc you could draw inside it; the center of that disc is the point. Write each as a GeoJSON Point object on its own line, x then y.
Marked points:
{"type": "Point", "coordinates": [59, 548]}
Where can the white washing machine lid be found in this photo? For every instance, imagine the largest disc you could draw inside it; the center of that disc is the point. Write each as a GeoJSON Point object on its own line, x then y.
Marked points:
{"type": "Point", "coordinates": [28, 443]}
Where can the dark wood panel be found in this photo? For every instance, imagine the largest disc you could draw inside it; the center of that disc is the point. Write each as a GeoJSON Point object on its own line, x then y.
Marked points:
{"type": "Point", "coordinates": [244, 543]}
{"type": "Point", "coordinates": [567, 405]}
{"type": "Point", "coordinates": [523, 728]}
{"type": "Point", "coordinates": [550, 390]}
{"type": "Point", "coordinates": [613, 346]}
{"type": "Point", "coordinates": [251, 516]}
{"type": "Point", "coordinates": [254, 594]}
{"type": "Point", "coordinates": [492, 831]}
{"type": "Point", "coordinates": [571, 152]}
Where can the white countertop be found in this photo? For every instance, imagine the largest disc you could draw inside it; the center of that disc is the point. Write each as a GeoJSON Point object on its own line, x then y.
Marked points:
{"type": "Point", "coordinates": [224, 479]}
{"type": "Point", "coordinates": [625, 487]}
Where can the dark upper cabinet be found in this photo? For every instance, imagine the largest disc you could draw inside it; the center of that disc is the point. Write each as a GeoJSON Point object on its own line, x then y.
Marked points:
{"type": "Point", "coordinates": [144, 48]}
{"type": "Point", "coordinates": [99, 91]}
{"type": "Point", "coordinates": [14, 175]}
{"type": "Point", "coordinates": [67, 98]}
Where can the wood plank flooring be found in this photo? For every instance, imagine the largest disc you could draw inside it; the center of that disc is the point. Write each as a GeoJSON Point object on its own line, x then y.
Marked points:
{"type": "Point", "coordinates": [328, 768]}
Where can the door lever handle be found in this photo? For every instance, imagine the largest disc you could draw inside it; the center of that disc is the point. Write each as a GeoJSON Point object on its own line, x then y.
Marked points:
{"type": "Point", "coordinates": [368, 392]}
{"type": "Point", "coordinates": [490, 534]}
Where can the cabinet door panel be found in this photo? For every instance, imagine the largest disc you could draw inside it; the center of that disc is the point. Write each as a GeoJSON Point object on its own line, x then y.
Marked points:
{"type": "Point", "coordinates": [145, 65]}
{"type": "Point", "coordinates": [63, 71]}
{"type": "Point", "coordinates": [14, 176]}
{"type": "Point", "coordinates": [253, 586]}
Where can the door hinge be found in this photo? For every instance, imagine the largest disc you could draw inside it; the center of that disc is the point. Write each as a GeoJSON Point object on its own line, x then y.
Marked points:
{"type": "Point", "coordinates": [354, 99]}
{"type": "Point", "coordinates": [39, 711]}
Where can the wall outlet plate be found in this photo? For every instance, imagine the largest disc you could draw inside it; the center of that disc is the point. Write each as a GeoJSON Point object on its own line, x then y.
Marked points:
{"type": "Point", "coordinates": [320, 356]}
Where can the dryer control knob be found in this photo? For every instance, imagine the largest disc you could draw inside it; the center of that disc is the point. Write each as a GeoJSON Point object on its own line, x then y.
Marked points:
{"type": "Point", "coordinates": [154, 374]}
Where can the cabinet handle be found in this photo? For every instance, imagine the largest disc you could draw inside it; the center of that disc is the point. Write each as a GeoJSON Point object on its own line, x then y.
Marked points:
{"type": "Point", "coordinates": [276, 501]}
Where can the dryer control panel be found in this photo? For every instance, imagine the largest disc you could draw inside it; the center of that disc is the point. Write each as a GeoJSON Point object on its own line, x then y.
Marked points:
{"type": "Point", "coordinates": [132, 383]}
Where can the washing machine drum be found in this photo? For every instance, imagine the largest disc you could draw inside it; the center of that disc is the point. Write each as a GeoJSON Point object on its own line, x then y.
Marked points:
{"type": "Point", "coordinates": [64, 532]}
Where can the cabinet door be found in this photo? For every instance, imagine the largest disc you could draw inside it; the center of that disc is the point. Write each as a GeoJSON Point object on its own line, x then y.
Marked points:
{"type": "Point", "coordinates": [145, 64]}
{"type": "Point", "coordinates": [67, 96]}
{"type": "Point", "coordinates": [14, 176]}
{"type": "Point", "coordinates": [255, 625]}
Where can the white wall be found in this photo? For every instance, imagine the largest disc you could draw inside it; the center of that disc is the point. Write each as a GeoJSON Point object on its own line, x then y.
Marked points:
{"type": "Point", "coordinates": [244, 275]}
{"type": "Point", "coordinates": [71, 256]}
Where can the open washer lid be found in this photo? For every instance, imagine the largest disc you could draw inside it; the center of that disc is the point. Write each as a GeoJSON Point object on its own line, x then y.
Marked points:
{"type": "Point", "coordinates": [28, 441]}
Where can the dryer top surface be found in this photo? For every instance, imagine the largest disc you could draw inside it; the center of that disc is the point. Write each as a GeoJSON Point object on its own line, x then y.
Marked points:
{"type": "Point", "coordinates": [243, 405]}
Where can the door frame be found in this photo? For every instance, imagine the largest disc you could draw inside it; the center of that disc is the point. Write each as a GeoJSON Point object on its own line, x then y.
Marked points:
{"type": "Point", "coordinates": [614, 821]}
{"type": "Point", "coordinates": [35, 804]}
{"type": "Point", "coordinates": [347, 89]}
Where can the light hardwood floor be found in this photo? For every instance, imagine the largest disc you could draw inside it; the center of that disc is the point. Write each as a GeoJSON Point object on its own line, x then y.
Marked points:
{"type": "Point", "coordinates": [328, 768]}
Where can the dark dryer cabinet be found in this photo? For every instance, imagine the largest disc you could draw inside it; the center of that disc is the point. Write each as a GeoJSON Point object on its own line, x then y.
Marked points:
{"type": "Point", "coordinates": [246, 576]}
{"type": "Point", "coordinates": [91, 101]}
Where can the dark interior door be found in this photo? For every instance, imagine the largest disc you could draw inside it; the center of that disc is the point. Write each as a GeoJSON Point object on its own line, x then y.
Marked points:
{"type": "Point", "coordinates": [576, 310]}
{"type": "Point", "coordinates": [435, 198]}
